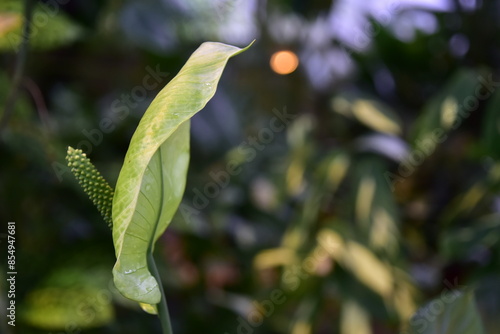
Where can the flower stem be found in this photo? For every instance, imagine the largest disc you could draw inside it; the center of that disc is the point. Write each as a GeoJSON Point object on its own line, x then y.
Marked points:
{"type": "Point", "coordinates": [162, 306]}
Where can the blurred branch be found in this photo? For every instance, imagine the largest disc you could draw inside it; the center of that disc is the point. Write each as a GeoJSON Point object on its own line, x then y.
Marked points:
{"type": "Point", "coordinates": [37, 96]}
{"type": "Point", "coordinates": [20, 64]}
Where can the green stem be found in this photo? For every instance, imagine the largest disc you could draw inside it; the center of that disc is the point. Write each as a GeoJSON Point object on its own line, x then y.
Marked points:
{"type": "Point", "coordinates": [162, 306]}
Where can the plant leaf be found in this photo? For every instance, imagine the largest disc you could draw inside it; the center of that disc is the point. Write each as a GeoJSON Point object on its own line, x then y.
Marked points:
{"type": "Point", "coordinates": [460, 243]}
{"type": "Point", "coordinates": [50, 27]}
{"type": "Point", "coordinates": [152, 179]}
{"type": "Point", "coordinates": [73, 294]}
{"type": "Point", "coordinates": [446, 110]}
{"type": "Point", "coordinates": [354, 318]}
{"type": "Point", "coordinates": [161, 190]}
{"type": "Point", "coordinates": [375, 211]}
{"type": "Point", "coordinates": [92, 182]}
{"type": "Point", "coordinates": [491, 127]}
{"type": "Point", "coordinates": [368, 111]}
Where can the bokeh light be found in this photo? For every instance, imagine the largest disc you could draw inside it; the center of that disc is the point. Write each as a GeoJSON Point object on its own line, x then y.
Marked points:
{"type": "Point", "coordinates": [284, 62]}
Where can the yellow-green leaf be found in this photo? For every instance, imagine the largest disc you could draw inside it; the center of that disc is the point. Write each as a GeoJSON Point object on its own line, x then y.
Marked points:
{"type": "Point", "coordinates": [152, 179]}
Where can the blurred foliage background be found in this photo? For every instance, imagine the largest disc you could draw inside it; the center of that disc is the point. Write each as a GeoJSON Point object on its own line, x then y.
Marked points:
{"type": "Point", "coordinates": [338, 198]}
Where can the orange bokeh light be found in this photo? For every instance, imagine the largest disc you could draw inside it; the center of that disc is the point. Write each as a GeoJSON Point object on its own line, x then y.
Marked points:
{"type": "Point", "coordinates": [284, 62]}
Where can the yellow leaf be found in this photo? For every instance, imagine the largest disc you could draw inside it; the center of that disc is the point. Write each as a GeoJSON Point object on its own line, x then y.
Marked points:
{"type": "Point", "coordinates": [149, 308]}
{"type": "Point", "coordinates": [368, 268]}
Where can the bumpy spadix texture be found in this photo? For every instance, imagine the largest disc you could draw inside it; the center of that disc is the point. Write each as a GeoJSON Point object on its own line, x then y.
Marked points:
{"type": "Point", "coordinates": [92, 182]}
{"type": "Point", "coordinates": [153, 176]}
